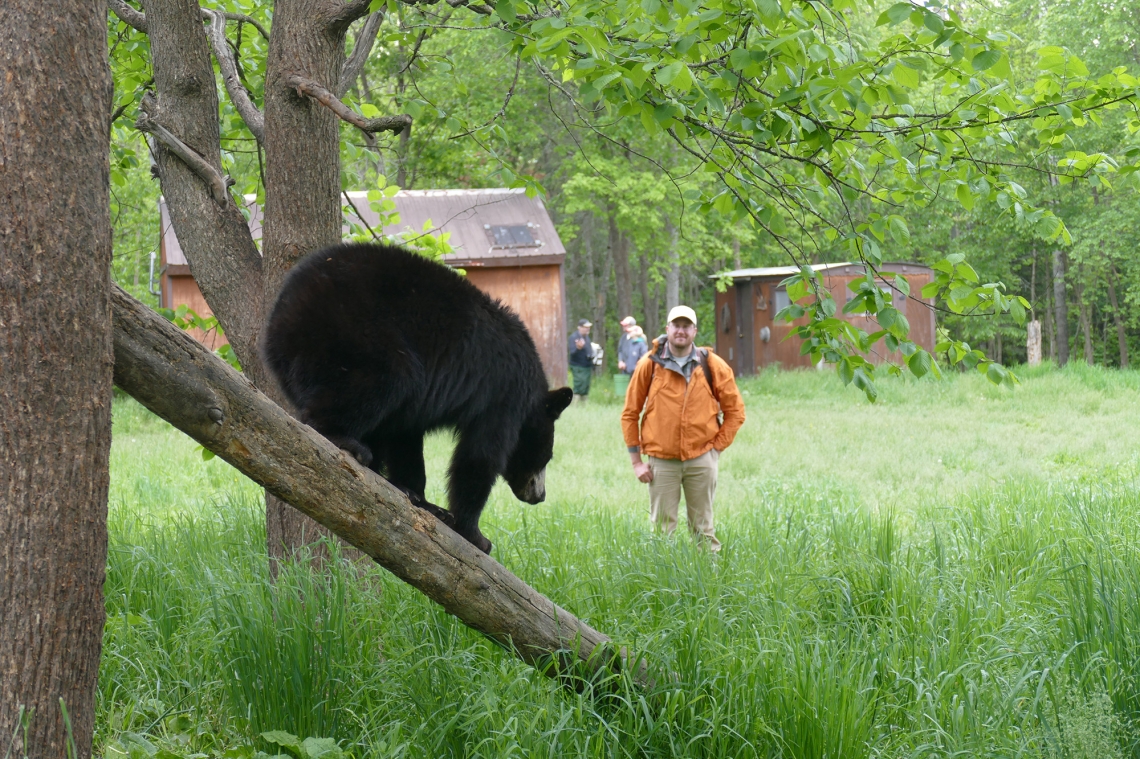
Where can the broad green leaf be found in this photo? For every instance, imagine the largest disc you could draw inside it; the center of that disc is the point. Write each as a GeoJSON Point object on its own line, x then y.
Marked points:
{"type": "Point", "coordinates": [920, 363]}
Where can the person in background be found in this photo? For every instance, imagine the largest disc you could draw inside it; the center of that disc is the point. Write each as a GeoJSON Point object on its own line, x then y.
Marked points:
{"type": "Point", "coordinates": [681, 431]}
{"type": "Point", "coordinates": [624, 362]}
{"type": "Point", "coordinates": [638, 347]}
{"type": "Point", "coordinates": [581, 359]}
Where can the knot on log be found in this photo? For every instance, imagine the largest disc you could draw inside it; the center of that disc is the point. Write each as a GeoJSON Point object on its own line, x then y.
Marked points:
{"type": "Point", "coordinates": [216, 415]}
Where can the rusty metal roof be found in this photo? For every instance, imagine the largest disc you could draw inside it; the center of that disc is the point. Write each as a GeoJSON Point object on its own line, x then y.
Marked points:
{"type": "Point", "coordinates": [829, 269]}
{"type": "Point", "coordinates": [469, 216]}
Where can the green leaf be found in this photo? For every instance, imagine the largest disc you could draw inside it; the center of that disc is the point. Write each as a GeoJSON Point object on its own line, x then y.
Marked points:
{"type": "Point", "coordinates": [965, 197]}
{"type": "Point", "coordinates": [920, 363]}
{"type": "Point", "coordinates": [903, 286]}
{"type": "Point", "coordinates": [284, 740]}
{"type": "Point", "coordinates": [321, 748]}
{"type": "Point", "coordinates": [896, 14]}
{"type": "Point", "coordinates": [996, 373]}
{"type": "Point", "coordinates": [985, 59]}
{"type": "Point", "coordinates": [666, 74]}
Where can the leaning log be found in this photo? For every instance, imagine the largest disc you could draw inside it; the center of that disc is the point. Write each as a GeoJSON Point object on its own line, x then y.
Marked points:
{"type": "Point", "coordinates": [179, 380]}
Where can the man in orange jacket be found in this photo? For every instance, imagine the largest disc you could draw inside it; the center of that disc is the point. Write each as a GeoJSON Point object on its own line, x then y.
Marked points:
{"type": "Point", "coordinates": [683, 390]}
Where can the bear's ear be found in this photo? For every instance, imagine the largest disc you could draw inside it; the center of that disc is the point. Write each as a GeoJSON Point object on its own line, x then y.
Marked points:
{"type": "Point", "coordinates": [557, 401]}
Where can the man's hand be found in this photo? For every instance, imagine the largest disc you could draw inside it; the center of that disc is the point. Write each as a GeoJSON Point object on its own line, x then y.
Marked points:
{"type": "Point", "coordinates": [580, 343]}
{"type": "Point", "coordinates": [621, 366]}
{"type": "Point", "coordinates": [643, 472]}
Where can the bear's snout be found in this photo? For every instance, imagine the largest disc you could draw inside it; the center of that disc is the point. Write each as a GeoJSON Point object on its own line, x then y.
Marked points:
{"type": "Point", "coordinates": [534, 491]}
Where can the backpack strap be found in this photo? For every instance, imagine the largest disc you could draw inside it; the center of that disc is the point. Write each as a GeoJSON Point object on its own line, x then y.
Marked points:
{"type": "Point", "coordinates": [703, 360]}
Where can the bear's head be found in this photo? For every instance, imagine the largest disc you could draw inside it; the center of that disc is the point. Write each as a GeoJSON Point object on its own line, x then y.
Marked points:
{"type": "Point", "coordinates": [526, 467]}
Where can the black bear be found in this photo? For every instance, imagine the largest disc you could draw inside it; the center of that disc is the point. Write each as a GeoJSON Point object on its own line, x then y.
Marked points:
{"type": "Point", "coordinates": [375, 346]}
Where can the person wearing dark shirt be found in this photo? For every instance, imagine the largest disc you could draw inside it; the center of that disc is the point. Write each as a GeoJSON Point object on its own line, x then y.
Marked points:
{"type": "Point", "coordinates": [581, 359]}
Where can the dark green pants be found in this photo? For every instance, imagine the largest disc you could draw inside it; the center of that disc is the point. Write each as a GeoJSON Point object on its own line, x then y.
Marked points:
{"type": "Point", "coordinates": [581, 379]}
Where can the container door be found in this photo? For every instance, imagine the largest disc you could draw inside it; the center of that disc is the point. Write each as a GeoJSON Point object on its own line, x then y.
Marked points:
{"type": "Point", "coordinates": [745, 344]}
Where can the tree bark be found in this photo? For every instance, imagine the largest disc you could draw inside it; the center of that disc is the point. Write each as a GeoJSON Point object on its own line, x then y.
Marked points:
{"type": "Point", "coordinates": [182, 382]}
{"type": "Point", "coordinates": [302, 210]}
{"type": "Point", "coordinates": [673, 276]}
{"type": "Point", "coordinates": [215, 238]}
{"type": "Point", "coordinates": [1121, 336]}
{"type": "Point", "coordinates": [55, 370]}
{"type": "Point", "coordinates": [1060, 305]}
{"type": "Point", "coordinates": [619, 254]}
{"type": "Point", "coordinates": [1083, 315]}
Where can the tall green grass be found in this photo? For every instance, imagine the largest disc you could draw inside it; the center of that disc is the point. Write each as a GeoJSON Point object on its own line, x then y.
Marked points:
{"type": "Point", "coordinates": [980, 612]}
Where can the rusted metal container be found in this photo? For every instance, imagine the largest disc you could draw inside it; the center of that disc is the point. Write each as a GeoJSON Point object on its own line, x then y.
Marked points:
{"type": "Point", "coordinates": [749, 337]}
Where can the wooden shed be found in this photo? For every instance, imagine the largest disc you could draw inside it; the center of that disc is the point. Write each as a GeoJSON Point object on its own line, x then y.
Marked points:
{"type": "Point", "coordinates": [749, 337]}
{"type": "Point", "coordinates": [504, 241]}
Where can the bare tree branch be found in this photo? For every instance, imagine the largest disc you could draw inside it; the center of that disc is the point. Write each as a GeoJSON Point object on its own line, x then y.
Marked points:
{"type": "Point", "coordinates": [238, 17]}
{"type": "Point", "coordinates": [128, 15]}
{"type": "Point", "coordinates": [349, 12]}
{"type": "Point", "coordinates": [239, 96]}
{"type": "Point", "coordinates": [365, 39]}
{"type": "Point", "coordinates": [218, 184]}
{"type": "Point", "coordinates": [306, 86]}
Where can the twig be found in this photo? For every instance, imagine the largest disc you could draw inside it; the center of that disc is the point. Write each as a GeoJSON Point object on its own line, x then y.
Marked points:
{"type": "Point", "coordinates": [239, 96]}
{"type": "Point", "coordinates": [306, 86]}
{"type": "Point", "coordinates": [360, 216]}
{"type": "Point", "coordinates": [218, 184]}
{"type": "Point", "coordinates": [506, 102]}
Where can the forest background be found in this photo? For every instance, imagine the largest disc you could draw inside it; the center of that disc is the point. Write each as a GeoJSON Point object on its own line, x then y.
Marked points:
{"type": "Point", "coordinates": [626, 201]}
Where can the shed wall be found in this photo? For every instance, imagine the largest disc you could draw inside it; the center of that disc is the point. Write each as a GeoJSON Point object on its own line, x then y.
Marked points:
{"type": "Point", "coordinates": [535, 294]}
{"type": "Point", "coordinates": [748, 308]}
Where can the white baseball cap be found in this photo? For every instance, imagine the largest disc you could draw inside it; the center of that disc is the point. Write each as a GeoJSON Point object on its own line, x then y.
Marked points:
{"type": "Point", "coordinates": [682, 312]}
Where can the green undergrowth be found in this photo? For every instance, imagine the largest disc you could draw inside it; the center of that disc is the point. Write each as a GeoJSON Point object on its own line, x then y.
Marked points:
{"type": "Point", "coordinates": [993, 615]}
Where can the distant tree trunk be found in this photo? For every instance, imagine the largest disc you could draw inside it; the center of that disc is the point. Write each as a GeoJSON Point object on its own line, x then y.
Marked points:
{"type": "Point", "coordinates": [55, 370]}
{"type": "Point", "coordinates": [1061, 307]}
{"type": "Point", "coordinates": [1033, 288]}
{"type": "Point", "coordinates": [586, 240]}
{"type": "Point", "coordinates": [1083, 314]}
{"type": "Point", "coordinates": [1121, 337]}
{"type": "Point", "coordinates": [600, 303]}
{"type": "Point", "coordinates": [619, 254]}
{"type": "Point", "coordinates": [1033, 343]}
{"type": "Point", "coordinates": [1050, 329]}
{"type": "Point", "coordinates": [643, 266]}
{"type": "Point", "coordinates": [673, 276]}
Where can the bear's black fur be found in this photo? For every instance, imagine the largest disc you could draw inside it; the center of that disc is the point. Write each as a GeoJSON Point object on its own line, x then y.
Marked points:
{"type": "Point", "coordinates": [375, 346]}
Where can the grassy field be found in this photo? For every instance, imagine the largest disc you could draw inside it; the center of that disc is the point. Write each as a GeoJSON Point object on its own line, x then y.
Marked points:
{"type": "Point", "coordinates": [954, 571]}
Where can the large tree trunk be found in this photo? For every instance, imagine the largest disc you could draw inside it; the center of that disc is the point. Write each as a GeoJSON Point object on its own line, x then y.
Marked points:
{"type": "Point", "coordinates": [1121, 336]}
{"type": "Point", "coordinates": [1060, 305]}
{"type": "Point", "coordinates": [302, 184]}
{"type": "Point", "coordinates": [178, 379]}
{"type": "Point", "coordinates": [55, 370]}
{"type": "Point", "coordinates": [214, 236]}
{"type": "Point", "coordinates": [302, 211]}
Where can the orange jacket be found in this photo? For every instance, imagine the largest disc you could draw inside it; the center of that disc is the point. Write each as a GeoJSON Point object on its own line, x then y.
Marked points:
{"type": "Point", "coordinates": [680, 420]}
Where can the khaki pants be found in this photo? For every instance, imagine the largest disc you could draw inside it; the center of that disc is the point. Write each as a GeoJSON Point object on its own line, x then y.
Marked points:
{"type": "Point", "coordinates": [697, 477]}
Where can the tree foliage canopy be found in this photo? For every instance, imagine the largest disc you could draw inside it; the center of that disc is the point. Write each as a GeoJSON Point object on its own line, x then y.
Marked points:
{"type": "Point", "coordinates": [825, 128]}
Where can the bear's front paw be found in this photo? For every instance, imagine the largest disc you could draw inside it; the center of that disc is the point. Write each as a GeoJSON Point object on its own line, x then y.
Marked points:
{"type": "Point", "coordinates": [479, 541]}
